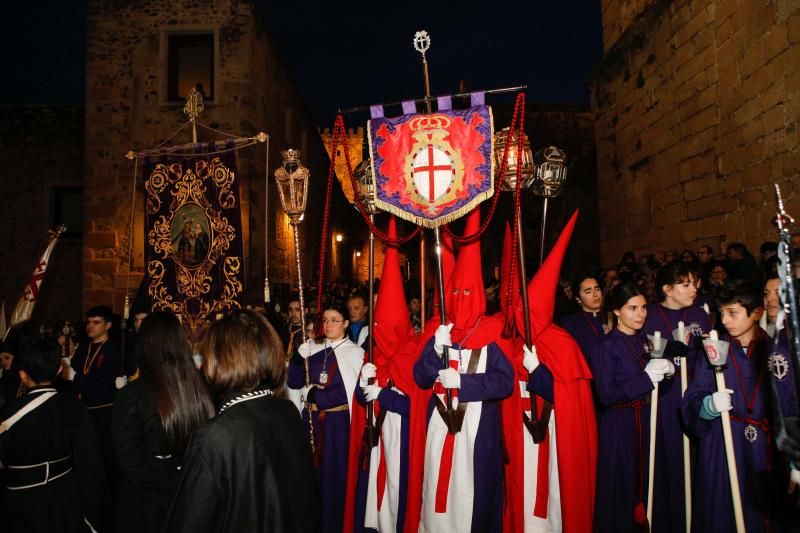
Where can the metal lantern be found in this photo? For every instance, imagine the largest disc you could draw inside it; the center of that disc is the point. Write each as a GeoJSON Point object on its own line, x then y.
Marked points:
{"type": "Point", "coordinates": [366, 186]}
{"type": "Point", "coordinates": [551, 171]}
{"type": "Point", "coordinates": [501, 138]}
{"type": "Point", "coordinates": [292, 179]}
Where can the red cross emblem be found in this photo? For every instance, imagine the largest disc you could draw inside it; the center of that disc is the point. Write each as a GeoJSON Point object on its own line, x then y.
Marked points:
{"type": "Point", "coordinates": [433, 172]}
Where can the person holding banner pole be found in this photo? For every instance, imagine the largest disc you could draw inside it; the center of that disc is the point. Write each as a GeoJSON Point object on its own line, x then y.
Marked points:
{"type": "Point", "coordinates": [746, 398]}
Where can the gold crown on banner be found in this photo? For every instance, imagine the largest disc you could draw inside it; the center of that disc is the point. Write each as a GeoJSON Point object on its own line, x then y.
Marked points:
{"type": "Point", "coordinates": [429, 122]}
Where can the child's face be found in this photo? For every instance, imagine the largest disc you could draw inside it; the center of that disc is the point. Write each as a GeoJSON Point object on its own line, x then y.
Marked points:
{"type": "Point", "coordinates": [736, 319]}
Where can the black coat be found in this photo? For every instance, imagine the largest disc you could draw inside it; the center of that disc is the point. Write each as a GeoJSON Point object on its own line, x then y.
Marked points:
{"type": "Point", "coordinates": [56, 429]}
{"type": "Point", "coordinates": [248, 469]}
{"type": "Point", "coordinates": [149, 470]}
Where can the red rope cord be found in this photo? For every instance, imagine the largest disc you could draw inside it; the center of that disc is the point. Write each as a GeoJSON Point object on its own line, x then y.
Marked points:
{"type": "Point", "coordinates": [324, 239]}
{"type": "Point", "coordinates": [361, 209]}
{"type": "Point", "coordinates": [515, 234]}
{"type": "Point", "coordinates": [519, 110]}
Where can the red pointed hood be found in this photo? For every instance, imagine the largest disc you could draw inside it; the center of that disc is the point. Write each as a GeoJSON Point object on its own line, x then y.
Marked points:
{"type": "Point", "coordinates": [392, 322]}
{"type": "Point", "coordinates": [542, 288]}
{"type": "Point", "coordinates": [464, 294]}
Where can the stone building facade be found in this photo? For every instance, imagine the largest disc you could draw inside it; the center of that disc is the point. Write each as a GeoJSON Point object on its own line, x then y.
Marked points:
{"type": "Point", "coordinates": [41, 172]}
{"type": "Point", "coordinates": [131, 105]}
{"type": "Point", "coordinates": [697, 105]}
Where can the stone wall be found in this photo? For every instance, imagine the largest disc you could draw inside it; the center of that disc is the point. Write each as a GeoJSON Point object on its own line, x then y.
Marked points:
{"type": "Point", "coordinates": [697, 105]}
{"type": "Point", "coordinates": [126, 109]}
{"type": "Point", "coordinates": [41, 150]}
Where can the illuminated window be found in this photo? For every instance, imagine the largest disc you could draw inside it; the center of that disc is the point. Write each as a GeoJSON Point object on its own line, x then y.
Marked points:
{"type": "Point", "coordinates": [190, 64]}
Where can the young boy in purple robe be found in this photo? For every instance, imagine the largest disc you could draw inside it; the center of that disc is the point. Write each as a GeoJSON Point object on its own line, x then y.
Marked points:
{"type": "Point", "coordinates": [623, 379]}
{"type": "Point", "coordinates": [587, 326]}
{"type": "Point", "coordinates": [676, 289]}
{"type": "Point", "coordinates": [753, 360]}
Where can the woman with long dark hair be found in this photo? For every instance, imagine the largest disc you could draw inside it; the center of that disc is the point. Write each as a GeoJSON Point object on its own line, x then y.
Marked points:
{"type": "Point", "coordinates": [623, 379]}
{"type": "Point", "coordinates": [153, 419]}
{"type": "Point", "coordinates": [249, 468]}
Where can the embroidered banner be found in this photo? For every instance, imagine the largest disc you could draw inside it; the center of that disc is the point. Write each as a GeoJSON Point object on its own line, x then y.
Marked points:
{"type": "Point", "coordinates": [432, 169]}
{"type": "Point", "coordinates": [193, 235]}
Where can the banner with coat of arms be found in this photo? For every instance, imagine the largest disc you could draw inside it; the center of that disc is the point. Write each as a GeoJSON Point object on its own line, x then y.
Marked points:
{"type": "Point", "coordinates": [433, 168]}
{"type": "Point", "coordinates": [193, 250]}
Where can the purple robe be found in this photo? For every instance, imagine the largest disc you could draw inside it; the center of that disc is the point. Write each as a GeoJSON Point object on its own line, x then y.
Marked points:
{"type": "Point", "coordinates": [335, 432]}
{"type": "Point", "coordinates": [494, 383]}
{"type": "Point", "coordinates": [393, 402]}
{"type": "Point", "coordinates": [668, 494]}
{"type": "Point", "coordinates": [623, 388]}
{"type": "Point", "coordinates": [758, 463]}
{"type": "Point", "coordinates": [587, 329]}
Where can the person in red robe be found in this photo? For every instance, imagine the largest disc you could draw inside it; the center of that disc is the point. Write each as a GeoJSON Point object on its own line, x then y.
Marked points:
{"type": "Point", "coordinates": [553, 371]}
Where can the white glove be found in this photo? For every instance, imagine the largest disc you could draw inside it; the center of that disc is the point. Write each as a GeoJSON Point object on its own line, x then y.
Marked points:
{"type": "Point", "coordinates": [530, 360]}
{"type": "Point", "coordinates": [120, 382]}
{"type": "Point", "coordinates": [368, 371]}
{"type": "Point", "coordinates": [670, 368]}
{"type": "Point", "coordinates": [656, 368]}
{"type": "Point", "coordinates": [722, 401]}
{"type": "Point", "coordinates": [450, 378]}
{"type": "Point", "coordinates": [371, 392]}
{"type": "Point", "coordinates": [442, 338]}
{"type": "Point", "coordinates": [794, 480]}
{"type": "Point", "coordinates": [68, 372]}
{"type": "Point", "coordinates": [304, 350]}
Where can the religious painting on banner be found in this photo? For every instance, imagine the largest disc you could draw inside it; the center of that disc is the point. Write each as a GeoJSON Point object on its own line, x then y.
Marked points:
{"type": "Point", "coordinates": [433, 168]}
{"type": "Point", "coordinates": [193, 235]}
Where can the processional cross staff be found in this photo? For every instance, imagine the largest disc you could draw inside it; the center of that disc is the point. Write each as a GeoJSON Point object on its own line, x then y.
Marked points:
{"type": "Point", "coordinates": [422, 42]}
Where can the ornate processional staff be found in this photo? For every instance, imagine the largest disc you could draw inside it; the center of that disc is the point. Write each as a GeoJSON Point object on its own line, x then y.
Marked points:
{"type": "Point", "coordinates": [366, 191]}
{"type": "Point", "coordinates": [422, 42]}
{"type": "Point", "coordinates": [292, 179]}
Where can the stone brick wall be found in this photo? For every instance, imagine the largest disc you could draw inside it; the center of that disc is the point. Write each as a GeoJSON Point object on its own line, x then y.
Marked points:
{"type": "Point", "coordinates": [125, 110]}
{"type": "Point", "coordinates": [697, 105]}
{"type": "Point", "coordinates": [41, 148]}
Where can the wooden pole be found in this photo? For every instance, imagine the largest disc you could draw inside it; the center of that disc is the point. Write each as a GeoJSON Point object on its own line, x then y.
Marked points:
{"type": "Point", "coordinates": [729, 454]}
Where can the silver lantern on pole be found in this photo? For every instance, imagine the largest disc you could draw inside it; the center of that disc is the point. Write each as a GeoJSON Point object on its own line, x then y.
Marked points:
{"type": "Point", "coordinates": [366, 193]}
{"type": "Point", "coordinates": [527, 169]}
{"type": "Point", "coordinates": [292, 180]}
{"type": "Point", "coordinates": [548, 182]}
{"type": "Point", "coordinates": [501, 139]}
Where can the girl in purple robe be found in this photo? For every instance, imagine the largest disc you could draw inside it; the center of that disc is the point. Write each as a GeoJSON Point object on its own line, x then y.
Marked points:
{"type": "Point", "coordinates": [752, 357]}
{"type": "Point", "coordinates": [334, 363]}
{"type": "Point", "coordinates": [676, 289]}
{"type": "Point", "coordinates": [623, 379]}
{"type": "Point", "coordinates": [587, 325]}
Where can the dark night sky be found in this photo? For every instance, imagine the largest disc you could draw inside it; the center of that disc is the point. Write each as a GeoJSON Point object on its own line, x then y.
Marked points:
{"type": "Point", "coordinates": [344, 54]}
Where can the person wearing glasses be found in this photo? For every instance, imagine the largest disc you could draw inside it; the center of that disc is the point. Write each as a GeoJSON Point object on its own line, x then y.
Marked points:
{"type": "Point", "coordinates": [334, 362]}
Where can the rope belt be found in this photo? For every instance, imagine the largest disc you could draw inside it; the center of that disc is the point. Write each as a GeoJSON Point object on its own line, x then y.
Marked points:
{"type": "Point", "coordinates": [23, 477]}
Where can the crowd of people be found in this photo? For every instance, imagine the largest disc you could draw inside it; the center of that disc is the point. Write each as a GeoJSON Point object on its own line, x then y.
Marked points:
{"type": "Point", "coordinates": [491, 421]}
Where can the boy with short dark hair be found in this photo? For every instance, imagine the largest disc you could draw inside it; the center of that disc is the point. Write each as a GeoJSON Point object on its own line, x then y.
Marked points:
{"type": "Point", "coordinates": [751, 359]}
{"type": "Point", "coordinates": [54, 478]}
